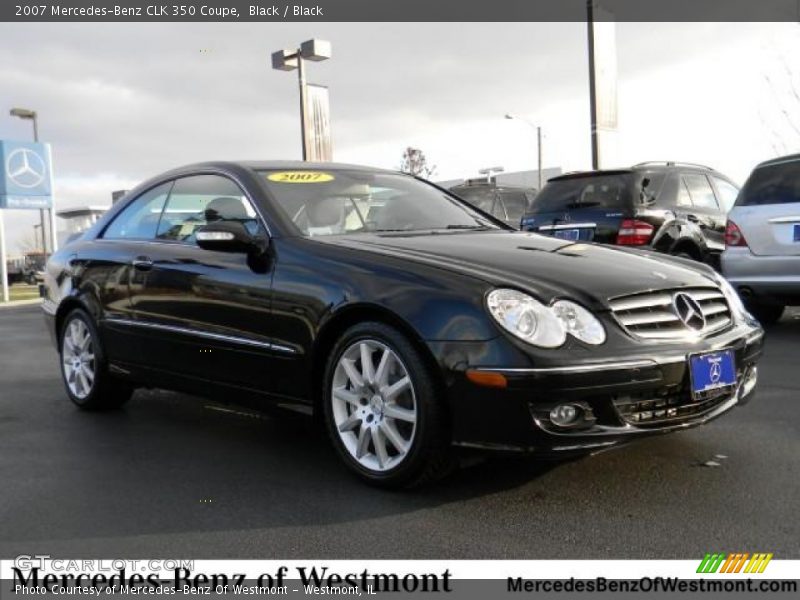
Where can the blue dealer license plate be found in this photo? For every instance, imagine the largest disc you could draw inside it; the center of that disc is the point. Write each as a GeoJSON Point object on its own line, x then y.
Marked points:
{"type": "Point", "coordinates": [712, 371]}
{"type": "Point", "coordinates": [571, 235]}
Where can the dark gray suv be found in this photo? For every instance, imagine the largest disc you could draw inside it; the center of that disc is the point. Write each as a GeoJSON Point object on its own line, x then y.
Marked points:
{"type": "Point", "coordinates": [671, 207]}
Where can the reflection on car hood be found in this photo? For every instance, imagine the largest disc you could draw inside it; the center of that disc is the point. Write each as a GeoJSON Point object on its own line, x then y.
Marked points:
{"type": "Point", "coordinates": [544, 265]}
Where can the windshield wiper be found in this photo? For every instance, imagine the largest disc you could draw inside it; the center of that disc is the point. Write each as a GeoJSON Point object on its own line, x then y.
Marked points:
{"type": "Point", "coordinates": [465, 227]}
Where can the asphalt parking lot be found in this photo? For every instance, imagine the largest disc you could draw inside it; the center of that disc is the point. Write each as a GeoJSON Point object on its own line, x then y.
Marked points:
{"type": "Point", "coordinates": [174, 476]}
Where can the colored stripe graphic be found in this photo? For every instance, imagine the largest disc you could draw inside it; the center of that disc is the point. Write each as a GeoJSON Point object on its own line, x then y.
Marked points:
{"type": "Point", "coordinates": [734, 562]}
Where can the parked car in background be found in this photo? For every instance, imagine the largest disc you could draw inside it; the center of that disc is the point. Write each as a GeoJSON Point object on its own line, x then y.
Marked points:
{"type": "Point", "coordinates": [507, 203]}
{"type": "Point", "coordinates": [671, 207]}
{"type": "Point", "coordinates": [14, 270]}
{"type": "Point", "coordinates": [762, 254]}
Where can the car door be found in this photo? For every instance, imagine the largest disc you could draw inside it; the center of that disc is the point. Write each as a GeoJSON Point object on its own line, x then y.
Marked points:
{"type": "Point", "coordinates": [705, 211]}
{"type": "Point", "coordinates": [206, 313]}
{"type": "Point", "coordinates": [768, 209]}
{"type": "Point", "coordinates": [103, 266]}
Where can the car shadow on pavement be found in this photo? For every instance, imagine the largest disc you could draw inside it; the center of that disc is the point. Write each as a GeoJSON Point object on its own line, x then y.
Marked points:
{"type": "Point", "coordinates": [169, 462]}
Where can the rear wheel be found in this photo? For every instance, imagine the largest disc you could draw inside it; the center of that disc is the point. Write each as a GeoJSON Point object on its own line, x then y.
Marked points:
{"type": "Point", "coordinates": [382, 411]}
{"type": "Point", "coordinates": [83, 367]}
{"type": "Point", "coordinates": [767, 313]}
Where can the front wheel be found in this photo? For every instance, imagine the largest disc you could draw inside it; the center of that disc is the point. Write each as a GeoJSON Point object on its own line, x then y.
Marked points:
{"type": "Point", "coordinates": [83, 366]}
{"type": "Point", "coordinates": [382, 410]}
{"type": "Point", "coordinates": [767, 313]}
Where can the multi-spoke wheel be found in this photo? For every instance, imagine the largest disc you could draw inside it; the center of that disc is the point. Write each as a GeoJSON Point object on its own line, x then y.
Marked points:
{"type": "Point", "coordinates": [382, 410]}
{"type": "Point", "coordinates": [374, 406]}
{"type": "Point", "coordinates": [77, 357]}
{"type": "Point", "coordinates": [86, 378]}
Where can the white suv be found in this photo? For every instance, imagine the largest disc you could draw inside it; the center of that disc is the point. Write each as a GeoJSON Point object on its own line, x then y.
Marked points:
{"type": "Point", "coordinates": [762, 239]}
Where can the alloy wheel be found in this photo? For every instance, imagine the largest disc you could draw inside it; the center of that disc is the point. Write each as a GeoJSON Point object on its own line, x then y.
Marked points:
{"type": "Point", "coordinates": [374, 405]}
{"type": "Point", "coordinates": [78, 358]}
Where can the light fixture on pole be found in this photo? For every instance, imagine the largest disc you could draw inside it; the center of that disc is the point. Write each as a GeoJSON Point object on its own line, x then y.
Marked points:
{"type": "Point", "coordinates": [538, 144]}
{"type": "Point", "coordinates": [489, 171]}
{"type": "Point", "coordinates": [289, 60]}
{"type": "Point", "coordinates": [30, 115]}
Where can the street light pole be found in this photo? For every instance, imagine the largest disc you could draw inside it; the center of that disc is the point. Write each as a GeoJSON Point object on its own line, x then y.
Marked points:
{"type": "Point", "coordinates": [592, 85]}
{"type": "Point", "coordinates": [289, 60]}
{"type": "Point", "coordinates": [538, 144]}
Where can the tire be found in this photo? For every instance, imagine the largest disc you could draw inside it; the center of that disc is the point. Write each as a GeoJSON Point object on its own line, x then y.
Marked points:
{"type": "Point", "coordinates": [407, 418]}
{"type": "Point", "coordinates": [84, 369]}
{"type": "Point", "coordinates": [766, 313]}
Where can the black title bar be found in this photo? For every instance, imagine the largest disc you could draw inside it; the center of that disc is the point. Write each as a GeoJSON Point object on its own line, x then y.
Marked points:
{"type": "Point", "coordinates": [395, 10]}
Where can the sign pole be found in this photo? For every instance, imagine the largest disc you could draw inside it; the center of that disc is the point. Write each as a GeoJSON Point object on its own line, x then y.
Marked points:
{"type": "Point", "coordinates": [3, 265]}
{"type": "Point", "coordinates": [53, 237]}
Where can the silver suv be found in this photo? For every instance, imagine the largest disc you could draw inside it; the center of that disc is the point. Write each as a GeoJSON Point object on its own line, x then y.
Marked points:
{"type": "Point", "coordinates": [762, 239]}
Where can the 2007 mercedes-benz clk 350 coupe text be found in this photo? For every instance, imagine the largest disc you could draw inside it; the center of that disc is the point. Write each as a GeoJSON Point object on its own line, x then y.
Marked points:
{"type": "Point", "coordinates": [407, 320]}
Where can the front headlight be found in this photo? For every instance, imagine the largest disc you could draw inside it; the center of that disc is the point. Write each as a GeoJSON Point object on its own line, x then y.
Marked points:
{"type": "Point", "coordinates": [579, 322]}
{"type": "Point", "coordinates": [540, 325]}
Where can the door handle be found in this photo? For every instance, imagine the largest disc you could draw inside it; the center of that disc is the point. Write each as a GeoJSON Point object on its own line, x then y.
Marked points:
{"type": "Point", "coordinates": [142, 263]}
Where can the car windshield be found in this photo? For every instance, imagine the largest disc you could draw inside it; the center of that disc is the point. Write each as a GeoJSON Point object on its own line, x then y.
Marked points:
{"type": "Point", "coordinates": [351, 201]}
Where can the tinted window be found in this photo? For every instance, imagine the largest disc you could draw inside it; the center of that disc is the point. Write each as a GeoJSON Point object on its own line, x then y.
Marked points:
{"type": "Point", "coordinates": [727, 193]}
{"type": "Point", "coordinates": [516, 204]}
{"type": "Point", "coordinates": [650, 186]}
{"type": "Point", "coordinates": [353, 201]}
{"type": "Point", "coordinates": [700, 190]}
{"type": "Point", "coordinates": [481, 198]}
{"type": "Point", "coordinates": [200, 199]}
{"type": "Point", "coordinates": [139, 220]}
{"type": "Point", "coordinates": [599, 191]}
{"type": "Point", "coordinates": [774, 184]}
{"type": "Point", "coordinates": [684, 199]}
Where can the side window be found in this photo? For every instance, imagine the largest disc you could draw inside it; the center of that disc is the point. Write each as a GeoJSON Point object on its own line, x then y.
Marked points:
{"type": "Point", "coordinates": [139, 220]}
{"type": "Point", "coordinates": [700, 190]}
{"type": "Point", "coordinates": [516, 204]}
{"type": "Point", "coordinates": [727, 193]}
{"type": "Point", "coordinates": [684, 199]}
{"type": "Point", "coordinates": [200, 199]}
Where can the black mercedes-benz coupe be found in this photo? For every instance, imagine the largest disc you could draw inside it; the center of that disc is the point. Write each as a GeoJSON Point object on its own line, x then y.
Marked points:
{"type": "Point", "coordinates": [407, 320]}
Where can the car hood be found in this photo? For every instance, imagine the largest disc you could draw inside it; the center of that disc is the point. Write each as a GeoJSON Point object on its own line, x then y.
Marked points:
{"type": "Point", "coordinates": [543, 265]}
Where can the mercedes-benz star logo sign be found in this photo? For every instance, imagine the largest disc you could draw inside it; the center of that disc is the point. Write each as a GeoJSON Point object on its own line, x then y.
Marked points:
{"type": "Point", "coordinates": [689, 311]}
{"type": "Point", "coordinates": [25, 168]}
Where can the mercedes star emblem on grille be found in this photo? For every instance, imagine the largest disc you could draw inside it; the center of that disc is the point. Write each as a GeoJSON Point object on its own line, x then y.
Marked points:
{"type": "Point", "coordinates": [689, 311]}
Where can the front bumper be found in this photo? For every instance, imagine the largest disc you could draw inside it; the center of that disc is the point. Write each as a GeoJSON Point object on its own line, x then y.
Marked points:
{"type": "Point", "coordinates": [627, 397]}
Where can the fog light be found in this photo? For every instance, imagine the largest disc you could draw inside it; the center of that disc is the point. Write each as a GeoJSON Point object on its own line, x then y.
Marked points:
{"type": "Point", "coordinates": [565, 415]}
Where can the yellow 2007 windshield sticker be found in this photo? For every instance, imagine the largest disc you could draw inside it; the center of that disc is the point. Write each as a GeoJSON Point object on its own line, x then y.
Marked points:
{"type": "Point", "coordinates": [300, 177]}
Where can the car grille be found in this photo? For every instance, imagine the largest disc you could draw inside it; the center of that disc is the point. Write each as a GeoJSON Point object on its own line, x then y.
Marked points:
{"type": "Point", "coordinates": [657, 409]}
{"type": "Point", "coordinates": [652, 315]}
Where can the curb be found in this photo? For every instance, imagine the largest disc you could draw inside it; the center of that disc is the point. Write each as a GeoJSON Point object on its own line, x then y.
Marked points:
{"type": "Point", "coordinates": [14, 303]}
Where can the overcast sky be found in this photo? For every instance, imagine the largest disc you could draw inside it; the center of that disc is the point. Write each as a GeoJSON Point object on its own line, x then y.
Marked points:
{"type": "Point", "coordinates": [122, 102]}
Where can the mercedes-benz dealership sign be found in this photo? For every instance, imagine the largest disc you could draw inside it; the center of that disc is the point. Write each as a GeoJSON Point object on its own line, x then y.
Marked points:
{"type": "Point", "coordinates": [26, 178]}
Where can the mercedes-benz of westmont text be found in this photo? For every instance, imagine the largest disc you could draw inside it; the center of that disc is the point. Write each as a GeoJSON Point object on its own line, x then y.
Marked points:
{"type": "Point", "coordinates": [762, 254]}
{"type": "Point", "coordinates": [410, 322]}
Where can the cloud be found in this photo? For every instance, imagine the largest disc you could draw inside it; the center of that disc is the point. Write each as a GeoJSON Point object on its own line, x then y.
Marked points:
{"type": "Point", "coordinates": [122, 102]}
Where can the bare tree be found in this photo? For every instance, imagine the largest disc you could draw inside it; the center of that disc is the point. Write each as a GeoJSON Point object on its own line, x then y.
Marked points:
{"type": "Point", "coordinates": [416, 163]}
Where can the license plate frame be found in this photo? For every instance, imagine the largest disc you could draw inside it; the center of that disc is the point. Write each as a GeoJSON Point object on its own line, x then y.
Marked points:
{"type": "Point", "coordinates": [568, 235]}
{"type": "Point", "coordinates": [704, 377]}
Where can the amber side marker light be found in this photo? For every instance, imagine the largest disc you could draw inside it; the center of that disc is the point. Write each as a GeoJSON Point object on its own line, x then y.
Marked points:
{"type": "Point", "coordinates": [487, 379]}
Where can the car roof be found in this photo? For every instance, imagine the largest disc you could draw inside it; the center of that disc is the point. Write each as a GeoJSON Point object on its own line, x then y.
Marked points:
{"type": "Point", "coordinates": [298, 165]}
{"type": "Point", "coordinates": [638, 168]}
{"type": "Point", "coordinates": [780, 160]}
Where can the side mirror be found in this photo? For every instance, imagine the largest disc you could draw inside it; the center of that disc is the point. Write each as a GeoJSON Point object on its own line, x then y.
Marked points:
{"type": "Point", "coordinates": [230, 236]}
